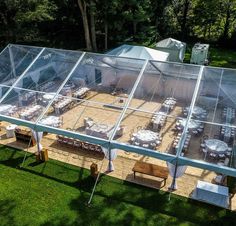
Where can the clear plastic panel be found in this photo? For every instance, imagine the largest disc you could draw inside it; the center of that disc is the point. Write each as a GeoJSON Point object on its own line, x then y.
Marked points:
{"type": "Point", "coordinates": [217, 95]}
{"type": "Point", "coordinates": [23, 104]}
{"type": "Point", "coordinates": [148, 130]}
{"type": "Point", "coordinates": [3, 90]}
{"type": "Point", "coordinates": [85, 117]}
{"type": "Point", "coordinates": [104, 79]}
{"type": "Point", "coordinates": [14, 60]}
{"type": "Point", "coordinates": [166, 88]}
{"type": "Point", "coordinates": [49, 71]}
{"type": "Point", "coordinates": [177, 69]}
{"type": "Point", "coordinates": [210, 143]}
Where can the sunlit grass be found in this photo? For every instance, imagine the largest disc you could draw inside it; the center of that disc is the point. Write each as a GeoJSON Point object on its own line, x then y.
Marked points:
{"type": "Point", "coordinates": [55, 193]}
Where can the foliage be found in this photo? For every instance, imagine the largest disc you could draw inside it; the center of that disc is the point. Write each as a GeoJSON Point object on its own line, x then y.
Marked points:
{"type": "Point", "coordinates": [55, 193]}
{"type": "Point", "coordinates": [19, 19]}
{"type": "Point", "coordinates": [61, 23]}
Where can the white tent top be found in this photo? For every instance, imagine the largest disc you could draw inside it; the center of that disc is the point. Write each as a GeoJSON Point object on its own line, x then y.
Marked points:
{"type": "Point", "coordinates": [125, 94]}
{"type": "Point", "coordinates": [170, 43]}
{"type": "Point", "coordinates": [140, 52]}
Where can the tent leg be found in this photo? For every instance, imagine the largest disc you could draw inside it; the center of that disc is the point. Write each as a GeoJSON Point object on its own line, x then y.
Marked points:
{"type": "Point", "coordinates": [37, 140]}
{"type": "Point", "coordinates": [22, 164]}
{"type": "Point", "coordinates": [173, 184]}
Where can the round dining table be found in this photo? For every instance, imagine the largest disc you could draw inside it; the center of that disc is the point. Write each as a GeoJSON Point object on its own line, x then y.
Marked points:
{"type": "Point", "coordinates": [146, 136]}
{"type": "Point", "coordinates": [217, 146]}
{"type": "Point", "coordinates": [196, 110]}
{"type": "Point", "coordinates": [191, 125]}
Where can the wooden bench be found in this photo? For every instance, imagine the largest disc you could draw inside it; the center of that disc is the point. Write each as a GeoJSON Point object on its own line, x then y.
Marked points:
{"type": "Point", "coordinates": [151, 170]}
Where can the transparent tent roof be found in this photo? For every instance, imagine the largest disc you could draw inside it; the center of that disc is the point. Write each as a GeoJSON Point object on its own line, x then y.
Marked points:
{"type": "Point", "coordinates": [170, 111]}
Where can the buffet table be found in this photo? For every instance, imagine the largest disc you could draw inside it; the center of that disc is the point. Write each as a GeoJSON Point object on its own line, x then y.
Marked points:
{"type": "Point", "coordinates": [100, 130]}
{"type": "Point", "coordinates": [63, 105]}
{"type": "Point", "coordinates": [229, 114]}
{"type": "Point", "coordinates": [31, 112]}
{"type": "Point", "coordinates": [169, 103]}
{"type": "Point", "coordinates": [158, 120]}
{"type": "Point", "coordinates": [212, 193]}
{"type": "Point", "coordinates": [7, 109]}
{"type": "Point", "coordinates": [81, 93]}
{"type": "Point", "coordinates": [53, 121]}
{"type": "Point", "coordinates": [227, 133]}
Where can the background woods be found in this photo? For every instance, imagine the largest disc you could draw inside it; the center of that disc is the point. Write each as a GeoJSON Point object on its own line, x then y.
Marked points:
{"type": "Point", "coordinates": [97, 25]}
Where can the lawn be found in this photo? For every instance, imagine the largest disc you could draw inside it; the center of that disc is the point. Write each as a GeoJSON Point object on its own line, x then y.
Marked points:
{"type": "Point", "coordinates": [56, 193]}
{"type": "Point", "coordinates": [218, 57]}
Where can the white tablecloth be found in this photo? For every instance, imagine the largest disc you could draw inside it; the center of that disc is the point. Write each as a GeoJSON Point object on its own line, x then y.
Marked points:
{"type": "Point", "coordinates": [212, 193]}
{"type": "Point", "coordinates": [31, 112]}
{"type": "Point", "coordinates": [158, 119]}
{"type": "Point", "coordinates": [7, 109]}
{"type": "Point", "coordinates": [229, 113]}
{"type": "Point", "coordinates": [61, 104]}
{"type": "Point", "coordinates": [48, 96]}
{"type": "Point", "coordinates": [53, 121]}
{"type": "Point", "coordinates": [146, 136]}
{"type": "Point", "coordinates": [80, 92]}
{"type": "Point", "coordinates": [197, 111]}
{"type": "Point", "coordinates": [10, 130]}
{"type": "Point", "coordinates": [192, 124]}
{"type": "Point", "coordinates": [100, 130]}
{"type": "Point", "coordinates": [215, 145]}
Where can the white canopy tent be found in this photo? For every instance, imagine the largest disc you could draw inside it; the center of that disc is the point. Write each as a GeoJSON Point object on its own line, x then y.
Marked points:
{"type": "Point", "coordinates": [175, 48]}
{"type": "Point", "coordinates": [139, 52]}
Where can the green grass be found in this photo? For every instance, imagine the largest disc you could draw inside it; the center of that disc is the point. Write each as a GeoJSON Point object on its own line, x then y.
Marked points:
{"type": "Point", "coordinates": [56, 193]}
{"type": "Point", "coordinates": [218, 57]}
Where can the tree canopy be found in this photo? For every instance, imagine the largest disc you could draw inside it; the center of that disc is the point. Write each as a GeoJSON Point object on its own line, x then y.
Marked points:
{"type": "Point", "coordinates": [97, 25]}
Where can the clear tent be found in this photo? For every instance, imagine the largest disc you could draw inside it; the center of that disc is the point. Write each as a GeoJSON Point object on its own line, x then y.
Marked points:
{"type": "Point", "coordinates": [28, 74]}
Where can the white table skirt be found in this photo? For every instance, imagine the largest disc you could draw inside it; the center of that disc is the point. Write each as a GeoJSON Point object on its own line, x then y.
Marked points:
{"type": "Point", "coordinates": [215, 145]}
{"type": "Point", "coordinates": [212, 193]}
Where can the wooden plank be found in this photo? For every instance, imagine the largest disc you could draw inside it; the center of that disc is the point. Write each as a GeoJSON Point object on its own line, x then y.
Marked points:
{"type": "Point", "coordinates": [151, 169]}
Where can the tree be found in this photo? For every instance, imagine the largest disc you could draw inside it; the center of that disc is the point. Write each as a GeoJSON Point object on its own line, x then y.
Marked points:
{"type": "Point", "coordinates": [206, 19]}
{"type": "Point", "coordinates": [83, 9]}
{"type": "Point", "coordinates": [182, 10]}
{"type": "Point", "coordinates": [19, 19]}
{"type": "Point", "coordinates": [228, 10]}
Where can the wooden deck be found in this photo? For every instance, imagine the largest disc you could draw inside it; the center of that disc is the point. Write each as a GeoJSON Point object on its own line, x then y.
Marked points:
{"type": "Point", "coordinates": [125, 161]}
{"type": "Point", "coordinates": [124, 164]}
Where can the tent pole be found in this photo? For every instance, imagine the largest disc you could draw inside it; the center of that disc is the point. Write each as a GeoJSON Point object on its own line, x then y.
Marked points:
{"type": "Point", "coordinates": [37, 141]}
{"type": "Point", "coordinates": [12, 62]}
{"type": "Point", "coordinates": [22, 164]}
{"type": "Point", "coordinates": [173, 180]}
{"type": "Point", "coordinates": [109, 161]}
{"type": "Point", "coordinates": [217, 101]}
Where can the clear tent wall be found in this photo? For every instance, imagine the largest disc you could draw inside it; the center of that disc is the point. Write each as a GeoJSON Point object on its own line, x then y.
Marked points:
{"type": "Point", "coordinates": [113, 102]}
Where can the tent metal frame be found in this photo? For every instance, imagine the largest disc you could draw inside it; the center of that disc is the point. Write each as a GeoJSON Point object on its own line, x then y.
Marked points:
{"type": "Point", "coordinates": [111, 143]}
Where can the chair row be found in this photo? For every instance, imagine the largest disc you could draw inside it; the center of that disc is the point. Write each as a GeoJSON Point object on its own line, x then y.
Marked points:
{"type": "Point", "coordinates": [78, 144]}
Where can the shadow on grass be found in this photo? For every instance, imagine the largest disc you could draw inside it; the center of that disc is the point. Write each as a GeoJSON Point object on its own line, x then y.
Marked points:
{"type": "Point", "coordinates": [6, 209]}
{"type": "Point", "coordinates": [116, 202]}
{"type": "Point", "coordinates": [53, 170]}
